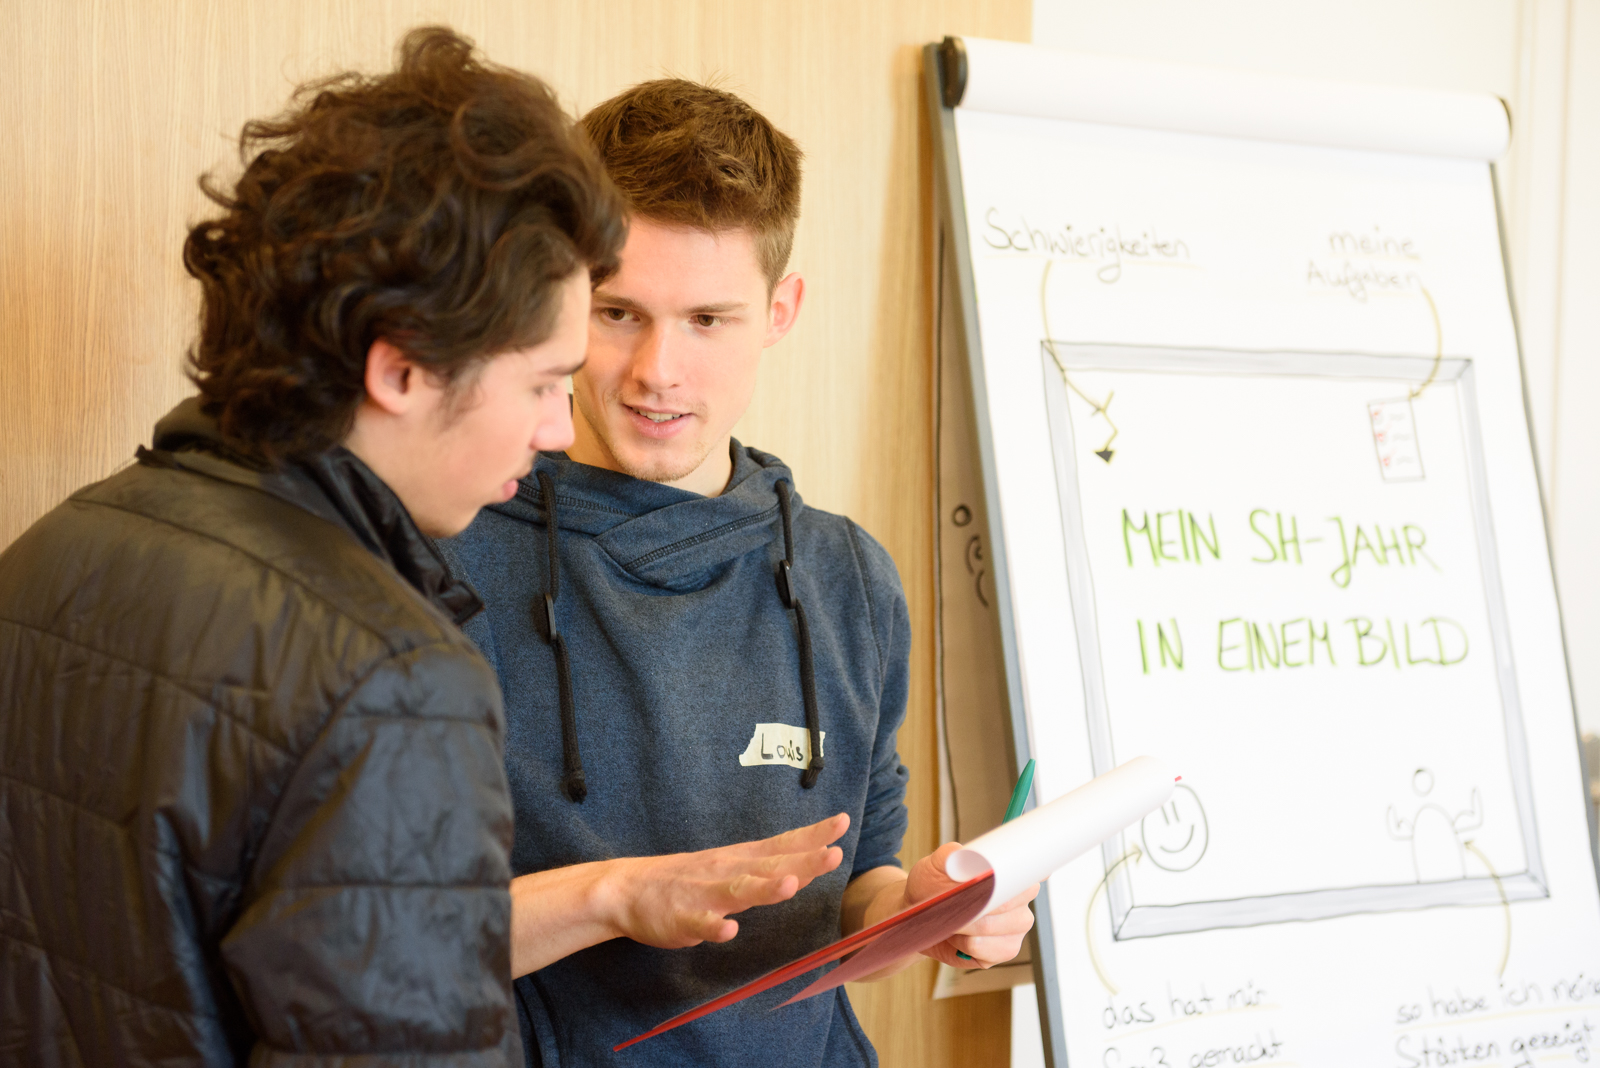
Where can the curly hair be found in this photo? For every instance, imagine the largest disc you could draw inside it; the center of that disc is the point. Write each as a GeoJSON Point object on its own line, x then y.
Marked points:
{"type": "Point", "coordinates": [439, 206]}
{"type": "Point", "coordinates": [685, 153]}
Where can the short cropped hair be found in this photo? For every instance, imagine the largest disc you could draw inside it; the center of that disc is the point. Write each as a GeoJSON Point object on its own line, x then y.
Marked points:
{"type": "Point", "coordinates": [439, 206]}
{"type": "Point", "coordinates": [686, 154]}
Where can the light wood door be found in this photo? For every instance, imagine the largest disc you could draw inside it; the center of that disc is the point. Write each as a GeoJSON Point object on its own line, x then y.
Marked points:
{"type": "Point", "coordinates": [113, 108]}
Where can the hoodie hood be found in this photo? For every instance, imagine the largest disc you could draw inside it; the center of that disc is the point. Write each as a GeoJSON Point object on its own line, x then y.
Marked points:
{"type": "Point", "coordinates": [662, 536]}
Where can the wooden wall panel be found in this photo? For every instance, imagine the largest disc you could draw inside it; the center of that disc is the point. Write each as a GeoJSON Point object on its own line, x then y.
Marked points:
{"type": "Point", "coordinates": [113, 108]}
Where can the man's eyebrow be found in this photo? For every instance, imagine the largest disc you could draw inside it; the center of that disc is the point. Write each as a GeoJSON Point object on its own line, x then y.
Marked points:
{"type": "Point", "coordinates": [616, 300]}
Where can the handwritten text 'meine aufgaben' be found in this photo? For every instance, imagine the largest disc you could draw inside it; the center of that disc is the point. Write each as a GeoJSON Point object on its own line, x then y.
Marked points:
{"type": "Point", "coordinates": [1105, 248]}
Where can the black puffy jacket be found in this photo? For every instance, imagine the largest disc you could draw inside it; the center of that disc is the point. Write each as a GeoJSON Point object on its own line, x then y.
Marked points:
{"type": "Point", "coordinates": [252, 804]}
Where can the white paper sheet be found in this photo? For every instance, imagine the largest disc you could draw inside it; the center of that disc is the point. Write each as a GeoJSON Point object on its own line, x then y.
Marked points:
{"type": "Point", "coordinates": [1017, 79]}
{"type": "Point", "coordinates": [1033, 846]}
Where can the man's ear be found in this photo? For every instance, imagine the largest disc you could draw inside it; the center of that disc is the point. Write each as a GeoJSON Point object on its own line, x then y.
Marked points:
{"type": "Point", "coordinates": [391, 378]}
{"type": "Point", "coordinates": [787, 296]}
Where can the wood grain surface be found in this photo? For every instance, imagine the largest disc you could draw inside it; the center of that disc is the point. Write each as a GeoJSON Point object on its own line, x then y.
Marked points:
{"type": "Point", "coordinates": [112, 109]}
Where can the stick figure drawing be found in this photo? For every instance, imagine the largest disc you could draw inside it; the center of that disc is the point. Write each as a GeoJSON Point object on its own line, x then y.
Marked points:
{"type": "Point", "coordinates": [1435, 833]}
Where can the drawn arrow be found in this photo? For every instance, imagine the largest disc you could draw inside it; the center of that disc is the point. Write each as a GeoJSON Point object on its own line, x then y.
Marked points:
{"type": "Point", "coordinates": [1134, 855]}
{"type": "Point", "coordinates": [1505, 954]}
{"type": "Point", "coordinates": [1438, 346]}
{"type": "Point", "coordinates": [1105, 452]}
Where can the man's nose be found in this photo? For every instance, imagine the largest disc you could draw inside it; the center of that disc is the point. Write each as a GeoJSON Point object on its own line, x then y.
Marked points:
{"type": "Point", "coordinates": [555, 432]}
{"type": "Point", "coordinates": [655, 361]}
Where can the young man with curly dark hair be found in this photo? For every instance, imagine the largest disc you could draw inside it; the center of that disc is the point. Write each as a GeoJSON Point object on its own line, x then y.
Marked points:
{"type": "Point", "coordinates": [252, 800]}
{"type": "Point", "coordinates": [718, 660]}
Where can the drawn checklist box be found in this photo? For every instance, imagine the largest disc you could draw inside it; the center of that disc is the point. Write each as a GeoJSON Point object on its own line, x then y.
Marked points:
{"type": "Point", "coordinates": [1394, 433]}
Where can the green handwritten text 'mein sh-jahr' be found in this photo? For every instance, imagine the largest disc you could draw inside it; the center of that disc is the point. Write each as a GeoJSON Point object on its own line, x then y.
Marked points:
{"type": "Point", "coordinates": [1180, 536]}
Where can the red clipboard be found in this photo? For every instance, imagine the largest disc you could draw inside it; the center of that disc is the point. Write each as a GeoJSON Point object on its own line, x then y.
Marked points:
{"type": "Point", "coordinates": [914, 929]}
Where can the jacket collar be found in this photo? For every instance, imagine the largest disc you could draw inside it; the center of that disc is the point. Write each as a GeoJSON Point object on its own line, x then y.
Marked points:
{"type": "Point", "coordinates": [335, 486]}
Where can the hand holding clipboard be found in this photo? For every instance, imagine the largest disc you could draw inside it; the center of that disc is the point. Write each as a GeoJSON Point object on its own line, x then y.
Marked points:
{"type": "Point", "coordinates": [992, 870]}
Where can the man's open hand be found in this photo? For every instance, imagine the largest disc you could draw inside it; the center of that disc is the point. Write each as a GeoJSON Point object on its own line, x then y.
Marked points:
{"type": "Point", "coordinates": [683, 899]}
{"type": "Point", "coordinates": [670, 902]}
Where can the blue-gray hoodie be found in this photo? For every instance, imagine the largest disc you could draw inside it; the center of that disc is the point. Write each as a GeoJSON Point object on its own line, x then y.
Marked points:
{"type": "Point", "coordinates": [680, 645]}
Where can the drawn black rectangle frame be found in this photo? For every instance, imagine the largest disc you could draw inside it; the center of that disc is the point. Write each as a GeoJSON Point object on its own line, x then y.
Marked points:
{"type": "Point", "coordinates": [1131, 920]}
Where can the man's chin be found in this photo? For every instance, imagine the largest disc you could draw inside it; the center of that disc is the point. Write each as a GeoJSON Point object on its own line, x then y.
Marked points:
{"type": "Point", "coordinates": [672, 466]}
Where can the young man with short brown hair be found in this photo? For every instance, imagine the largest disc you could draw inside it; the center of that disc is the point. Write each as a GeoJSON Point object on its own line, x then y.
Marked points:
{"type": "Point", "coordinates": [718, 661]}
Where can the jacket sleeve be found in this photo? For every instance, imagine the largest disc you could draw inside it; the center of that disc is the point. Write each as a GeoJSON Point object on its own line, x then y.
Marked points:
{"type": "Point", "coordinates": [376, 921]}
{"type": "Point", "coordinates": [884, 817]}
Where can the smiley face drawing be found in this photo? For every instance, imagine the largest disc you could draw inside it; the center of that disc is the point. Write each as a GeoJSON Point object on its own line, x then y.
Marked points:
{"type": "Point", "coordinates": [1176, 835]}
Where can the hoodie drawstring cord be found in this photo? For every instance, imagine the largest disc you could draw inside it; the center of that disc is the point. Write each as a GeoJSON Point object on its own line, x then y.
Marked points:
{"type": "Point", "coordinates": [808, 679]}
{"type": "Point", "coordinates": [572, 781]}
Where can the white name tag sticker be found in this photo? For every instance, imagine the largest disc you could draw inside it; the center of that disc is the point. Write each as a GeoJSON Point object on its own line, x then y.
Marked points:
{"type": "Point", "coordinates": [781, 743]}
